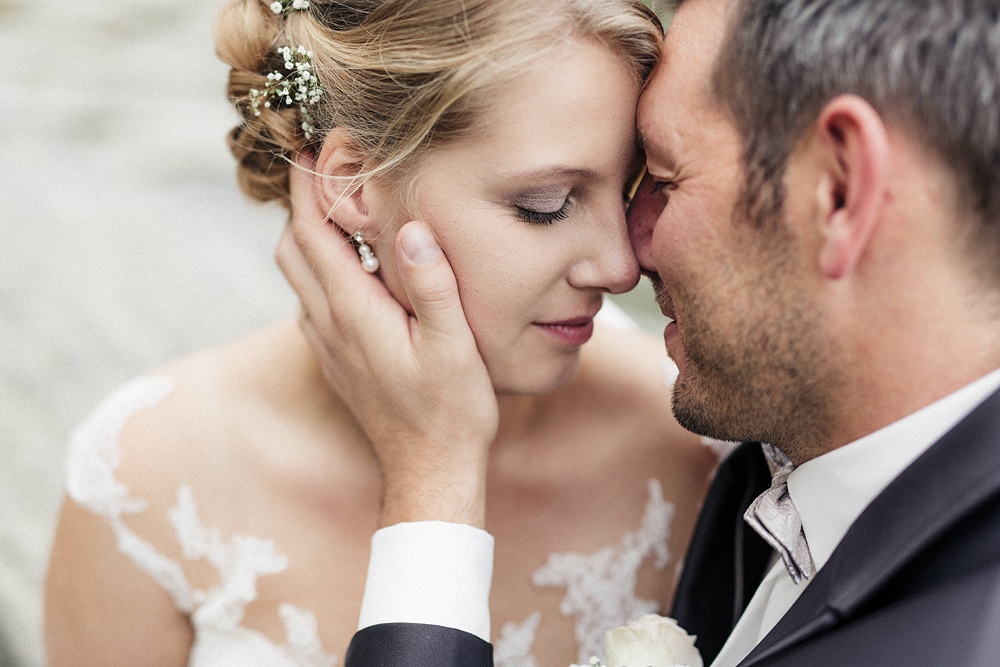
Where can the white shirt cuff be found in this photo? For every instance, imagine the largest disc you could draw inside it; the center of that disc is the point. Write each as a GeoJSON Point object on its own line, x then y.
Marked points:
{"type": "Point", "coordinates": [430, 572]}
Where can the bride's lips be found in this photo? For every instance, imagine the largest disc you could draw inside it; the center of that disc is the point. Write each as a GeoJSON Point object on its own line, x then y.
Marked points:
{"type": "Point", "coordinates": [575, 331]}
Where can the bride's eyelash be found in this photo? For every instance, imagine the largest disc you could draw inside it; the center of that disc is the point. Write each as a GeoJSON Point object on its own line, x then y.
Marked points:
{"type": "Point", "coordinates": [540, 218]}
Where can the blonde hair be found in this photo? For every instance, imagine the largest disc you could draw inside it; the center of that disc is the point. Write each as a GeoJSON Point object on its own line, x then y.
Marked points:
{"type": "Point", "coordinates": [401, 76]}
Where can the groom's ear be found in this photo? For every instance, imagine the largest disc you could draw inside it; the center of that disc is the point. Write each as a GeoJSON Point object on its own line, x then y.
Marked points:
{"type": "Point", "coordinates": [341, 192]}
{"type": "Point", "coordinates": [853, 149]}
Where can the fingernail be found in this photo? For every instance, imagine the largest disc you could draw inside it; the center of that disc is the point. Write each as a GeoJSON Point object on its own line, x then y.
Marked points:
{"type": "Point", "coordinates": [418, 244]}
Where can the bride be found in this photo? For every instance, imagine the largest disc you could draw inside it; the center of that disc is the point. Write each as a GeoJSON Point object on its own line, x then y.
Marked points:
{"type": "Point", "coordinates": [220, 510]}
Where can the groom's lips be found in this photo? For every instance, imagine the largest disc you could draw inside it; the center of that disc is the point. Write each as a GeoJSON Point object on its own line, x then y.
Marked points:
{"type": "Point", "coordinates": [665, 303]}
{"type": "Point", "coordinates": [663, 299]}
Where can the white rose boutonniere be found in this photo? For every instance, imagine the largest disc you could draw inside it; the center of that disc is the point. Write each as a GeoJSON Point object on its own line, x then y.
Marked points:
{"type": "Point", "coordinates": [651, 641]}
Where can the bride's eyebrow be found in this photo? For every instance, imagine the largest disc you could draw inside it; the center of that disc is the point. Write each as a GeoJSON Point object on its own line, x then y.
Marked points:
{"type": "Point", "coordinates": [550, 172]}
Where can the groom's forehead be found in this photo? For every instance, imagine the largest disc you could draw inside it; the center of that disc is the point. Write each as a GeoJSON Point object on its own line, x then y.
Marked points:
{"type": "Point", "coordinates": [682, 82]}
{"type": "Point", "coordinates": [691, 47]}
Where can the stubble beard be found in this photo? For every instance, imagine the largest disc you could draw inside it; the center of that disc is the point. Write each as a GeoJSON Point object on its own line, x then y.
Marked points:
{"type": "Point", "coordinates": [756, 366]}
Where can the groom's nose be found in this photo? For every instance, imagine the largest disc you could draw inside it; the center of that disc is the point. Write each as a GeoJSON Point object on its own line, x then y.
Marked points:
{"type": "Point", "coordinates": [643, 212]}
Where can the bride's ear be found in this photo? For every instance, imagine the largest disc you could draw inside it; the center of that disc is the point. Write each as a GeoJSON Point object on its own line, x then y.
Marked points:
{"type": "Point", "coordinates": [341, 194]}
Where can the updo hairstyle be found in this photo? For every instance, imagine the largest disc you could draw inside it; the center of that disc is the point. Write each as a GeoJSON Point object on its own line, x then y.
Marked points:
{"type": "Point", "coordinates": [400, 76]}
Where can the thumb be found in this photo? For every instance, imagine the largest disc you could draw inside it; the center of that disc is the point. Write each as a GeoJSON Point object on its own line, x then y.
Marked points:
{"type": "Point", "coordinates": [429, 283]}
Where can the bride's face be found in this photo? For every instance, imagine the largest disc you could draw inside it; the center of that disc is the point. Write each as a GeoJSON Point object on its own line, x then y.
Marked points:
{"type": "Point", "coordinates": [529, 211]}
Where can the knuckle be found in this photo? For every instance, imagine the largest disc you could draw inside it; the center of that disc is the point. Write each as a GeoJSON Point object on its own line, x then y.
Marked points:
{"type": "Point", "coordinates": [439, 297]}
{"type": "Point", "coordinates": [283, 249]}
{"type": "Point", "coordinates": [299, 230]}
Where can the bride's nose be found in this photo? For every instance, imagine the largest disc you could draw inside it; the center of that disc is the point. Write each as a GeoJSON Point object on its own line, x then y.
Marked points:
{"type": "Point", "coordinates": [607, 261]}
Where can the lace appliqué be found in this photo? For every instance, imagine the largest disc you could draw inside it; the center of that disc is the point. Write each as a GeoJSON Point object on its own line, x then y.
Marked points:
{"type": "Point", "coordinates": [239, 563]}
{"type": "Point", "coordinates": [513, 649]}
{"type": "Point", "coordinates": [93, 458]}
{"type": "Point", "coordinates": [600, 587]}
{"type": "Point", "coordinates": [302, 631]}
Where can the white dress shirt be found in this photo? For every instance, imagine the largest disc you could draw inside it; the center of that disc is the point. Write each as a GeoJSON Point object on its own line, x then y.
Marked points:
{"type": "Point", "coordinates": [440, 573]}
{"type": "Point", "coordinates": [430, 572]}
{"type": "Point", "coordinates": [832, 490]}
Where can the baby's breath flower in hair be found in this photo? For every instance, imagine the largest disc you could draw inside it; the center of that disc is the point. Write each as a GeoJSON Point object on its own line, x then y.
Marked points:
{"type": "Point", "coordinates": [299, 86]}
{"type": "Point", "coordinates": [286, 7]}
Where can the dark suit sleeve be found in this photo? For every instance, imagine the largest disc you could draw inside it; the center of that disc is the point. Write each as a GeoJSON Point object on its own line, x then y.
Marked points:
{"type": "Point", "coordinates": [417, 645]}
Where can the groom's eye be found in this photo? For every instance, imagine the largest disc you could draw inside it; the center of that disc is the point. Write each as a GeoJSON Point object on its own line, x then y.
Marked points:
{"type": "Point", "coordinates": [661, 186]}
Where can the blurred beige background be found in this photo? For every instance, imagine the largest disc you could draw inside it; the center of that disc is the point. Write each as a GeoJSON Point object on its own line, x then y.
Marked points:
{"type": "Point", "coordinates": [123, 242]}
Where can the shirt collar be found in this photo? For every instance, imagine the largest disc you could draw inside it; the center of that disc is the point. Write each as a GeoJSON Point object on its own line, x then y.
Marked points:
{"type": "Point", "coordinates": [832, 490]}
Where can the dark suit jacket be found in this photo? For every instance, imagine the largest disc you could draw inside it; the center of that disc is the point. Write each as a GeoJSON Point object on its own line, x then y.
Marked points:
{"type": "Point", "coordinates": [914, 583]}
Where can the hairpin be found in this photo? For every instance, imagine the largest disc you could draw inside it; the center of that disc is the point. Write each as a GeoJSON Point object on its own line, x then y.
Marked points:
{"type": "Point", "coordinates": [286, 7]}
{"type": "Point", "coordinates": [299, 85]}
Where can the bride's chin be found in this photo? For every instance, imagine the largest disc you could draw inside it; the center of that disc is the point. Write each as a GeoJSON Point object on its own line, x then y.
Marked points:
{"type": "Point", "coordinates": [536, 381]}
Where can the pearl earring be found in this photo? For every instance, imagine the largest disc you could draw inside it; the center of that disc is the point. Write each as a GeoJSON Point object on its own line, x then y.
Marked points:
{"type": "Point", "coordinates": [369, 262]}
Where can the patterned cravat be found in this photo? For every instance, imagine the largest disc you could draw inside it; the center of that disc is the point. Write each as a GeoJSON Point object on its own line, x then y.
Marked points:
{"type": "Point", "coordinates": [774, 517]}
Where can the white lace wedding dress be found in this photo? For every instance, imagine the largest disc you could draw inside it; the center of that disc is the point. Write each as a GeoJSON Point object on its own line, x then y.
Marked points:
{"type": "Point", "coordinates": [600, 587]}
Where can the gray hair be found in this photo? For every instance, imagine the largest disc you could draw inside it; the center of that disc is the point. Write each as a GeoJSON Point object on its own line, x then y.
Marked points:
{"type": "Point", "coordinates": [931, 66]}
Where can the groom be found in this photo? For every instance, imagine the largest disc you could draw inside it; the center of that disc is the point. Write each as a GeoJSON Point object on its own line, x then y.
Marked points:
{"type": "Point", "coordinates": [822, 221]}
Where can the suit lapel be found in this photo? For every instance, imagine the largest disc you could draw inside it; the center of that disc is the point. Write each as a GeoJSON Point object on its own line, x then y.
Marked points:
{"type": "Point", "coordinates": [953, 477]}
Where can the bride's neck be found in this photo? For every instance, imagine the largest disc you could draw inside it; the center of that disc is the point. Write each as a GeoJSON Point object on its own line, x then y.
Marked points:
{"type": "Point", "coordinates": [520, 415]}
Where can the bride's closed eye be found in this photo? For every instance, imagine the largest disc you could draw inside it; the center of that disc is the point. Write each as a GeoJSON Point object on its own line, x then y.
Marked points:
{"type": "Point", "coordinates": [543, 206]}
{"type": "Point", "coordinates": [533, 217]}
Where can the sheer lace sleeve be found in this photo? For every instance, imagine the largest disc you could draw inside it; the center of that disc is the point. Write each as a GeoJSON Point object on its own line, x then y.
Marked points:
{"type": "Point", "coordinates": [92, 460]}
{"type": "Point", "coordinates": [216, 614]}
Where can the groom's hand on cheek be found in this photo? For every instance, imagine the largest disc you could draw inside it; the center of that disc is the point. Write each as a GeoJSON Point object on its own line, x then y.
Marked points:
{"type": "Point", "coordinates": [415, 383]}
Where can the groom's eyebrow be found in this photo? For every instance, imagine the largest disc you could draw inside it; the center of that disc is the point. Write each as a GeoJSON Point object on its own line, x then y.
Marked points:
{"type": "Point", "coordinates": [658, 153]}
{"type": "Point", "coordinates": [640, 139]}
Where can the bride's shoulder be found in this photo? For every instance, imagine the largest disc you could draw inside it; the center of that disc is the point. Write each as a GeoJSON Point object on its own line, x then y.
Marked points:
{"type": "Point", "coordinates": [180, 423]}
{"type": "Point", "coordinates": [155, 458]}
